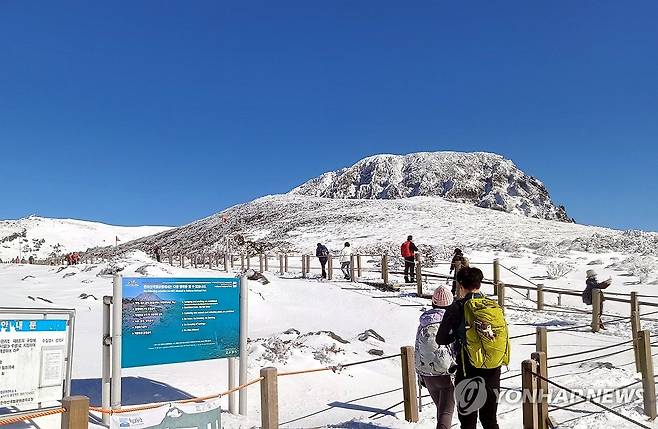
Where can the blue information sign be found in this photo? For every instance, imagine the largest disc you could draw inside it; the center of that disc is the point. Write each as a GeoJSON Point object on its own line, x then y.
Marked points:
{"type": "Point", "coordinates": [170, 320]}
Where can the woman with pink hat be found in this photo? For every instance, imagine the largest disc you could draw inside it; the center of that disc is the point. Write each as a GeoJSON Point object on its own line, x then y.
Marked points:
{"type": "Point", "coordinates": [434, 362]}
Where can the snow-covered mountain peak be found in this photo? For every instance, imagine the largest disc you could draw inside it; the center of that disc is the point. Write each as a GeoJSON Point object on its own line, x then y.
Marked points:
{"type": "Point", "coordinates": [483, 179]}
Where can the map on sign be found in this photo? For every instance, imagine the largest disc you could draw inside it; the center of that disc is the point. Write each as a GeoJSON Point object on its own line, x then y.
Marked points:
{"type": "Point", "coordinates": [32, 361]}
{"type": "Point", "coordinates": [170, 320]}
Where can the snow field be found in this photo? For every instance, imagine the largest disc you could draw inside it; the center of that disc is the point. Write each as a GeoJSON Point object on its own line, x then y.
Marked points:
{"type": "Point", "coordinates": [302, 324]}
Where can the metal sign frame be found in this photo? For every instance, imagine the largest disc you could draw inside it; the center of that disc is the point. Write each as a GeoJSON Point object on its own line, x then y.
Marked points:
{"type": "Point", "coordinates": [70, 337]}
{"type": "Point", "coordinates": [112, 349]}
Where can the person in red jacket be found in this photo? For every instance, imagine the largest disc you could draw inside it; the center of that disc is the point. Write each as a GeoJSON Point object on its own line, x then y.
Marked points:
{"type": "Point", "coordinates": [408, 250]}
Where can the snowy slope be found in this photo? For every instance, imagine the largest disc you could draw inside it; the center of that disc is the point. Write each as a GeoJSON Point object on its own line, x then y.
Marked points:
{"type": "Point", "coordinates": [296, 223]}
{"type": "Point", "coordinates": [304, 323]}
{"type": "Point", "coordinates": [41, 236]}
{"type": "Point", "coordinates": [482, 179]}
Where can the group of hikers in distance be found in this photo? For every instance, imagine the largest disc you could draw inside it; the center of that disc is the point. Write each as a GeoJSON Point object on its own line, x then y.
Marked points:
{"type": "Point", "coordinates": [462, 341]}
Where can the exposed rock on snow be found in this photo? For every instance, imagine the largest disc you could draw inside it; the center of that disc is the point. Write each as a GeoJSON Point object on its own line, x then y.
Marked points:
{"type": "Point", "coordinates": [483, 179]}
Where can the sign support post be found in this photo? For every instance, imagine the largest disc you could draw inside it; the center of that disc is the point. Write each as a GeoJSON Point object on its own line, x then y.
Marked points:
{"type": "Point", "coordinates": [106, 362]}
{"type": "Point", "coordinates": [117, 318]}
{"type": "Point", "coordinates": [244, 291]}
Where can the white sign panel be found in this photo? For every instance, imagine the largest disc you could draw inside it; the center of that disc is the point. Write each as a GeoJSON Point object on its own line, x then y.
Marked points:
{"type": "Point", "coordinates": [198, 415]}
{"type": "Point", "coordinates": [32, 362]}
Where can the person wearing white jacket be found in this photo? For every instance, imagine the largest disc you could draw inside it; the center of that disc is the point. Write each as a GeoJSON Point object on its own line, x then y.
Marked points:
{"type": "Point", "coordinates": [345, 260]}
{"type": "Point", "coordinates": [434, 362]}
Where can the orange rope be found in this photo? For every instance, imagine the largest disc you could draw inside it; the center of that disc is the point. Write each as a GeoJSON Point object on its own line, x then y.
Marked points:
{"type": "Point", "coordinates": [12, 420]}
{"type": "Point", "coordinates": [183, 401]}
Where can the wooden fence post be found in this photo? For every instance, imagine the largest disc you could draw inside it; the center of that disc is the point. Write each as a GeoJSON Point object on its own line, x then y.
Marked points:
{"type": "Point", "coordinates": [385, 268]}
{"type": "Point", "coordinates": [409, 384]}
{"type": "Point", "coordinates": [242, 262]}
{"type": "Point", "coordinates": [646, 365]}
{"type": "Point", "coordinates": [266, 259]}
{"type": "Point", "coordinates": [541, 340]}
{"type": "Point", "coordinates": [559, 300]}
{"type": "Point", "coordinates": [248, 261]}
{"type": "Point", "coordinates": [281, 263]}
{"type": "Point", "coordinates": [330, 267]}
{"type": "Point", "coordinates": [501, 294]}
{"type": "Point", "coordinates": [77, 412]}
{"type": "Point", "coordinates": [496, 275]}
{"type": "Point", "coordinates": [285, 262]}
{"type": "Point", "coordinates": [226, 263]}
{"type": "Point", "coordinates": [540, 297]}
{"type": "Point", "coordinates": [542, 389]}
{"type": "Point", "coordinates": [261, 262]}
{"type": "Point", "coordinates": [231, 261]}
{"type": "Point", "coordinates": [596, 310]}
{"type": "Point", "coordinates": [358, 265]}
{"type": "Point", "coordinates": [419, 274]}
{"type": "Point", "coordinates": [303, 266]}
{"type": "Point", "coordinates": [636, 327]}
{"type": "Point", "coordinates": [352, 269]}
{"type": "Point", "coordinates": [269, 400]}
{"type": "Point", "coordinates": [182, 260]}
{"type": "Point", "coordinates": [308, 264]}
{"type": "Point", "coordinates": [171, 259]}
{"type": "Point", "coordinates": [529, 386]}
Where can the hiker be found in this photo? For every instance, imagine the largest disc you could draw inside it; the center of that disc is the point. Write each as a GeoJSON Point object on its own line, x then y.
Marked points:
{"type": "Point", "coordinates": [323, 255]}
{"type": "Point", "coordinates": [345, 261]}
{"type": "Point", "coordinates": [590, 284]}
{"type": "Point", "coordinates": [434, 362]}
{"type": "Point", "coordinates": [481, 348]}
{"type": "Point", "coordinates": [408, 250]}
{"type": "Point", "coordinates": [30, 260]}
{"type": "Point", "coordinates": [158, 253]}
{"type": "Point", "coordinates": [458, 258]}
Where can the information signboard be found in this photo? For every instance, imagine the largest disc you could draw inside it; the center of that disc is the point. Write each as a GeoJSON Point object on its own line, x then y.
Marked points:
{"type": "Point", "coordinates": [170, 320]}
{"type": "Point", "coordinates": [32, 361]}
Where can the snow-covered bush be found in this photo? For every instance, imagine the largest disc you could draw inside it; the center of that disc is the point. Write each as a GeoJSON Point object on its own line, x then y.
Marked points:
{"type": "Point", "coordinates": [548, 249]}
{"type": "Point", "coordinates": [639, 266]}
{"type": "Point", "coordinates": [556, 270]}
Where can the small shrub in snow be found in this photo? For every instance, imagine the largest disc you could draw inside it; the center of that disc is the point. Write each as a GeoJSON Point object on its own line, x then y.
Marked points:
{"type": "Point", "coordinates": [638, 266]}
{"type": "Point", "coordinates": [509, 246]}
{"type": "Point", "coordinates": [540, 260]}
{"type": "Point", "coordinates": [548, 249]}
{"type": "Point", "coordinates": [556, 270]}
{"type": "Point", "coordinates": [595, 262]}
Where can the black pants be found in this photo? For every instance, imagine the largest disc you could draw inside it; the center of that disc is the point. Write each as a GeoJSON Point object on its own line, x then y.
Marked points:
{"type": "Point", "coordinates": [487, 413]}
{"type": "Point", "coordinates": [323, 262]}
{"type": "Point", "coordinates": [409, 269]}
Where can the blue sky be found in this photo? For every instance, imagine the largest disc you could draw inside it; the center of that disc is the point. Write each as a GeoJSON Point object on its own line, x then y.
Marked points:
{"type": "Point", "coordinates": [157, 112]}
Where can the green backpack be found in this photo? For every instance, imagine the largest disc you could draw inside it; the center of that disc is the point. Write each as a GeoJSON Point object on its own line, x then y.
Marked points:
{"type": "Point", "coordinates": [487, 342]}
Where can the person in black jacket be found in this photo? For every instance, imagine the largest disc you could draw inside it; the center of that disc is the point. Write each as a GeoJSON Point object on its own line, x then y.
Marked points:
{"type": "Point", "coordinates": [590, 284]}
{"type": "Point", "coordinates": [458, 257]}
{"type": "Point", "coordinates": [323, 255]}
{"type": "Point", "coordinates": [453, 328]}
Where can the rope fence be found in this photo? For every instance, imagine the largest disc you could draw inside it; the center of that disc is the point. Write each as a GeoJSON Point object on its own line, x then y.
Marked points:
{"type": "Point", "coordinates": [18, 419]}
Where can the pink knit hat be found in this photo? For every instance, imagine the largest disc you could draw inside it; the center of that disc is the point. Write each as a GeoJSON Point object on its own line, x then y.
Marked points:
{"type": "Point", "coordinates": [442, 297]}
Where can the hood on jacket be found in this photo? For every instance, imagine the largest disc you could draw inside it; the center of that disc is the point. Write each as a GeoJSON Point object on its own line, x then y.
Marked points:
{"type": "Point", "coordinates": [433, 316]}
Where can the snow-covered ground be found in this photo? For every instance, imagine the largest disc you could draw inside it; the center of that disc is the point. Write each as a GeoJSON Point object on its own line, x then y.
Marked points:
{"type": "Point", "coordinates": [41, 237]}
{"type": "Point", "coordinates": [307, 323]}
